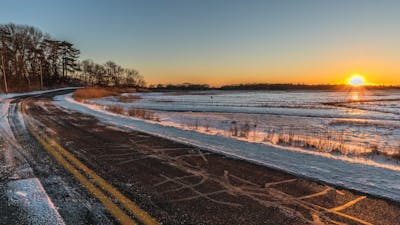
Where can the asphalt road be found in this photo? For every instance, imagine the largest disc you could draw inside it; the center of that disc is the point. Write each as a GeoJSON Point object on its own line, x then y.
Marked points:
{"type": "Point", "coordinates": [143, 179]}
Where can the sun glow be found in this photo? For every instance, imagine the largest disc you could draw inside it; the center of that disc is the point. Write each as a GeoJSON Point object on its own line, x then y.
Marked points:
{"type": "Point", "coordinates": [356, 80]}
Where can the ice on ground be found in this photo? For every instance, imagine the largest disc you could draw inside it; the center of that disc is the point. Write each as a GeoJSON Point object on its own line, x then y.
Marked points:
{"type": "Point", "coordinates": [30, 197]}
{"type": "Point", "coordinates": [294, 103]}
{"type": "Point", "coordinates": [360, 174]}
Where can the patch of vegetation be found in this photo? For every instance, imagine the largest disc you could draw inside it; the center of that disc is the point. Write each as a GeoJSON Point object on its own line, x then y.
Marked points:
{"type": "Point", "coordinates": [128, 98]}
{"type": "Point", "coordinates": [396, 156]}
{"type": "Point", "coordinates": [115, 109]}
{"type": "Point", "coordinates": [94, 92]}
{"type": "Point", "coordinates": [143, 114]}
{"type": "Point", "coordinates": [31, 59]}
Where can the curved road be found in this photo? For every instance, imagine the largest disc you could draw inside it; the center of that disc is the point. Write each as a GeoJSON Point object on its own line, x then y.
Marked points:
{"type": "Point", "coordinates": [97, 174]}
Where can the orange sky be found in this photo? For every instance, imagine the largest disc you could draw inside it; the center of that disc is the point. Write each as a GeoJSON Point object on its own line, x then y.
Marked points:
{"type": "Point", "coordinates": [228, 42]}
{"type": "Point", "coordinates": [375, 72]}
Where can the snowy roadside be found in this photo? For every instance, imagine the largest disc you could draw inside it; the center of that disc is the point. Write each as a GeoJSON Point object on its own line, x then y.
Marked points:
{"type": "Point", "coordinates": [21, 188]}
{"type": "Point", "coordinates": [358, 174]}
{"type": "Point", "coordinates": [13, 95]}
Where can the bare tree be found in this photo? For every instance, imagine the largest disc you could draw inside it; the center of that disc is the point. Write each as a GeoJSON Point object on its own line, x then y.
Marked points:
{"type": "Point", "coordinates": [4, 39]}
{"type": "Point", "coordinates": [28, 54]}
{"type": "Point", "coordinates": [31, 58]}
{"type": "Point", "coordinates": [134, 78]}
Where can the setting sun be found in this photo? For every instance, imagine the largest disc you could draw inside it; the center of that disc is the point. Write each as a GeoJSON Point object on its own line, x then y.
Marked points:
{"type": "Point", "coordinates": [356, 80]}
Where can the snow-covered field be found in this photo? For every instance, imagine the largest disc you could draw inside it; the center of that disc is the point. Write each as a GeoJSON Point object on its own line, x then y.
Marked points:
{"type": "Point", "coordinates": [276, 121]}
{"type": "Point", "coordinates": [307, 119]}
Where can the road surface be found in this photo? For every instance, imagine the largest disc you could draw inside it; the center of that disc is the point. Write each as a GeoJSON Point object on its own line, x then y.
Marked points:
{"type": "Point", "coordinates": [97, 174]}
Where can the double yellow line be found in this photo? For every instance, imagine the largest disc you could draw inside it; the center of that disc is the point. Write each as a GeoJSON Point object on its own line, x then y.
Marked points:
{"type": "Point", "coordinates": [96, 185]}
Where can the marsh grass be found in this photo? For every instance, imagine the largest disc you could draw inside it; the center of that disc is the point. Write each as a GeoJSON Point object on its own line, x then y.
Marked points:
{"type": "Point", "coordinates": [328, 140]}
{"type": "Point", "coordinates": [93, 92]}
{"type": "Point", "coordinates": [396, 156]}
{"type": "Point", "coordinates": [245, 130]}
{"type": "Point", "coordinates": [234, 131]}
{"type": "Point", "coordinates": [115, 109]}
{"type": "Point", "coordinates": [128, 98]}
{"type": "Point", "coordinates": [323, 140]}
{"type": "Point", "coordinates": [142, 114]}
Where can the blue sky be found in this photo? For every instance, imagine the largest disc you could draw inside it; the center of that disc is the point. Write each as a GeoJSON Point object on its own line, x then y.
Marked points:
{"type": "Point", "coordinates": [218, 42]}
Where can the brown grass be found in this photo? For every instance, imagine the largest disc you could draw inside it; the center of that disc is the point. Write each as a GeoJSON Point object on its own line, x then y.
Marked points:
{"type": "Point", "coordinates": [115, 109]}
{"type": "Point", "coordinates": [141, 113]}
{"type": "Point", "coordinates": [90, 92]}
{"type": "Point", "coordinates": [128, 98]}
{"type": "Point", "coordinates": [396, 156]}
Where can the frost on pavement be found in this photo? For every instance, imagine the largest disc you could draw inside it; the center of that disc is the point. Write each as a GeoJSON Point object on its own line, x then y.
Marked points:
{"type": "Point", "coordinates": [30, 197]}
{"type": "Point", "coordinates": [22, 190]}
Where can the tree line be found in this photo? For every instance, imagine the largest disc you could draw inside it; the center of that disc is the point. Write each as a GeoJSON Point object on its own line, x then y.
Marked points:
{"type": "Point", "coordinates": [31, 59]}
{"type": "Point", "coordinates": [108, 74]}
{"type": "Point", "coordinates": [290, 86]}
{"type": "Point", "coordinates": [263, 87]}
{"type": "Point", "coordinates": [180, 87]}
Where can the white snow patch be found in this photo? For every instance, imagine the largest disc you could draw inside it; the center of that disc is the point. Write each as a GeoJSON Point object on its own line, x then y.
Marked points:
{"type": "Point", "coordinates": [21, 193]}
{"type": "Point", "coordinates": [29, 196]}
{"type": "Point", "coordinates": [24, 191]}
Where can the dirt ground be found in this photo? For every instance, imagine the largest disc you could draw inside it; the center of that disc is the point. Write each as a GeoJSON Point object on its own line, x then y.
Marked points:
{"type": "Point", "coordinates": [181, 184]}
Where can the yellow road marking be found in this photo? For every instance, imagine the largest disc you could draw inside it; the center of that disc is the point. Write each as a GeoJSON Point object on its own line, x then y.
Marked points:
{"type": "Point", "coordinates": [135, 209]}
{"type": "Point", "coordinates": [52, 146]}
{"type": "Point", "coordinates": [339, 208]}
{"type": "Point", "coordinates": [108, 204]}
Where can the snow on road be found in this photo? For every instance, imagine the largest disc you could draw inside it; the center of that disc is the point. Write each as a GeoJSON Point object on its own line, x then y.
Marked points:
{"type": "Point", "coordinates": [10, 144]}
{"type": "Point", "coordinates": [24, 190]}
{"type": "Point", "coordinates": [7, 139]}
{"type": "Point", "coordinates": [30, 196]}
{"type": "Point", "coordinates": [13, 95]}
{"type": "Point", "coordinates": [354, 173]}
